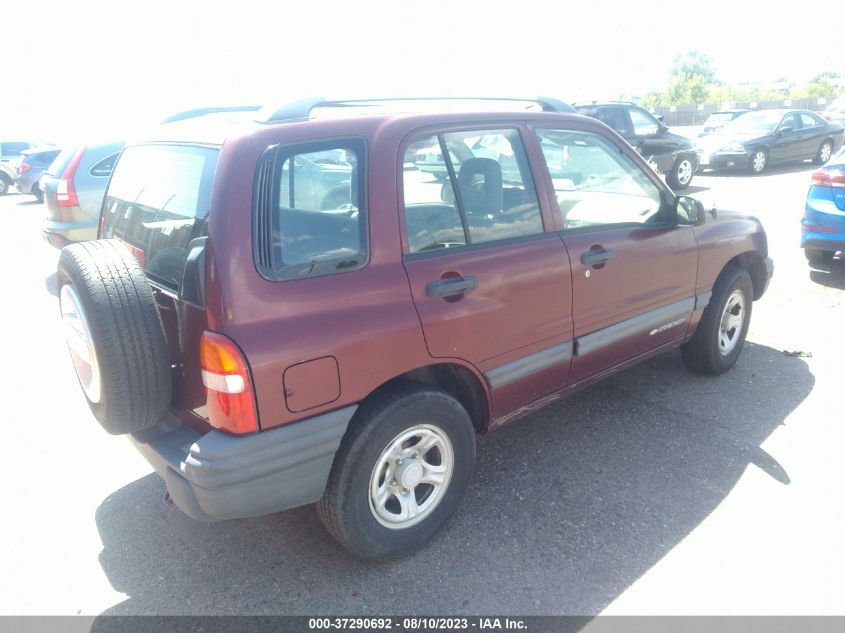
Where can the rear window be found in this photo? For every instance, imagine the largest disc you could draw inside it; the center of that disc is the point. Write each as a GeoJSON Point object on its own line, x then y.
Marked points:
{"type": "Point", "coordinates": [157, 202]}
{"type": "Point", "coordinates": [61, 161]}
{"type": "Point", "coordinates": [13, 148]}
{"type": "Point", "coordinates": [44, 158]}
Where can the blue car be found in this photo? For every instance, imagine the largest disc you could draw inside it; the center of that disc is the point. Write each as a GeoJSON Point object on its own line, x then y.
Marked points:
{"type": "Point", "coordinates": [823, 225]}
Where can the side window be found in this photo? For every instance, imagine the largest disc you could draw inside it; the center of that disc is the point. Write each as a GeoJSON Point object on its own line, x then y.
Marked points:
{"type": "Point", "coordinates": [315, 219]}
{"type": "Point", "coordinates": [103, 168]}
{"type": "Point", "coordinates": [807, 121]}
{"type": "Point", "coordinates": [479, 190]}
{"type": "Point", "coordinates": [614, 118]}
{"type": "Point", "coordinates": [13, 149]}
{"type": "Point", "coordinates": [644, 125]}
{"type": "Point", "coordinates": [596, 184]}
{"type": "Point", "coordinates": [791, 121]}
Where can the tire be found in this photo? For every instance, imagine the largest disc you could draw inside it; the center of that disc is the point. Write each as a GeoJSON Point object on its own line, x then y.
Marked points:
{"type": "Point", "coordinates": [363, 466]}
{"type": "Point", "coordinates": [5, 183]}
{"type": "Point", "coordinates": [818, 256]}
{"type": "Point", "coordinates": [713, 350]}
{"type": "Point", "coordinates": [682, 172]}
{"type": "Point", "coordinates": [115, 335]}
{"type": "Point", "coordinates": [37, 193]}
{"type": "Point", "coordinates": [758, 162]}
{"type": "Point", "coordinates": [824, 153]}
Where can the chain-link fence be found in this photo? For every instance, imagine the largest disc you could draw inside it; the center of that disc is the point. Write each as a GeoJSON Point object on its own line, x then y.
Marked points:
{"type": "Point", "coordinates": [697, 114]}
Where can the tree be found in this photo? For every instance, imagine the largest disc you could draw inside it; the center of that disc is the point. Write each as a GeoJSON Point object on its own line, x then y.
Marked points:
{"type": "Point", "coordinates": [692, 64]}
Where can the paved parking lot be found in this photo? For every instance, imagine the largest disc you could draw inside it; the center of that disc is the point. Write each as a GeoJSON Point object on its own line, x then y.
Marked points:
{"type": "Point", "coordinates": [657, 491]}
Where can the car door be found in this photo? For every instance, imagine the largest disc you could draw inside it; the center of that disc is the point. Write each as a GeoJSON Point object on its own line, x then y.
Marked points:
{"type": "Point", "coordinates": [812, 134]}
{"type": "Point", "coordinates": [786, 145]}
{"type": "Point", "coordinates": [489, 276]}
{"type": "Point", "coordinates": [650, 140]}
{"type": "Point", "coordinates": [633, 265]}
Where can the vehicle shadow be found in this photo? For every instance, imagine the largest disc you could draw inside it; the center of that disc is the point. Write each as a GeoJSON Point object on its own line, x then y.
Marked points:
{"type": "Point", "coordinates": [567, 508]}
{"type": "Point", "coordinates": [28, 201]}
{"type": "Point", "coordinates": [52, 285]}
{"type": "Point", "coordinates": [831, 275]}
{"type": "Point", "coordinates": [777, 170]}
{"type": "Point", "coordinates": [694, 189]}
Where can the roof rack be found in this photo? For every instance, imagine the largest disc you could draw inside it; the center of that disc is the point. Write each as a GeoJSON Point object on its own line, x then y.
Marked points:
{"type": "Point", "coordinates": [198, 112]}
{"type": "Point", "coordinates": [301, 109]}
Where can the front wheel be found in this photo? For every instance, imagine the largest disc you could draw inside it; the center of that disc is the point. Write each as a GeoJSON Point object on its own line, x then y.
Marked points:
{"type": "Point", "coordinates": [400, 473]}
{"type": "Point", "coordinates": [681, 175]}
{"type": "Point", "coordinates": [758, 162]}
{"type": "Point", "coordinates": [720, 335]}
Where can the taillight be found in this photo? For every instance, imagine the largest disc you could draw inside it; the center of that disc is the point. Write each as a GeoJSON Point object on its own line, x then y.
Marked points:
{"type": "Point", "coordinates": [65, 191]}
{"type": "Point", "coordinates": [23, 168]}
{"type": "Point", "coordinates": [829, 177]}
{"type": "Point", "coordinates": [229, 394]}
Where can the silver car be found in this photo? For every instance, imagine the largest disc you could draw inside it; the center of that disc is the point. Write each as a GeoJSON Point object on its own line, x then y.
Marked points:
{"type": "Point", "coordinates": [73, 187]}
{"type": "Point", "coordinates": [10, 157]}
{"type": "Point", "coordinates": [32, 167]}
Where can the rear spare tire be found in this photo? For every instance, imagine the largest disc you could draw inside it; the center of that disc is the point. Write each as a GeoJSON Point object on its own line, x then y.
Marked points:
{"type": "Point", "coordinates": [115, 335]}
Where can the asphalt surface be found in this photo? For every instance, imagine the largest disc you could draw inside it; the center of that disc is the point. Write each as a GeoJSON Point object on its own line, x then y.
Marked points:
{"type": "Point", "coordinates": [655, 492]}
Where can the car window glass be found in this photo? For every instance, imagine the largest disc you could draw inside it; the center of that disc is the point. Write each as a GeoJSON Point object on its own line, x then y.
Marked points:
{"type": "Point", "coordinates": [318, 225]}
{"type": "Point", "coordinates": [103, 168]}
{"type": "Point", "coordinates": [45, 158]}
{"type": "Point", "coordinates": [13, 148]}
{"type": "Point", "coordinates": [596, 184]}
{"type": "Point", "coordinates": [432, 219]}
{"type": "Point", "coordinates": [790, 121]}
{"type": "Point", "coordinates": [643, 124]}
{"type": "Point", "coordinates": [807, 121]}
{"type": "Point", "coordinates": [495, 198]}
{"type": "Point", "coordinates": [615, 118]}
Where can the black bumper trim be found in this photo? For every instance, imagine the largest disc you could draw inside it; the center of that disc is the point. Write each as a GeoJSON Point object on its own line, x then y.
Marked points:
{"type": "Point", "coordinates": [221, 476]}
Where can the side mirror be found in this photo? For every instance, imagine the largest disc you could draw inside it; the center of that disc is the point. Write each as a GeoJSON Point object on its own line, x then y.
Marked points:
{"type": "Point", "coordinates": [689, 210]}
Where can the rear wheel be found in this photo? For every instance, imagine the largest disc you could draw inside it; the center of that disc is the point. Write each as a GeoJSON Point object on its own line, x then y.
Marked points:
{"type": "Point", "coordinates": [818, 256]}
{"type": "Point", "coordinates": [5, 183]}
{"type": "Point", "coordinates": [115, 335]}
{"type": "Point", "coordinates": [36, 191]}
{"type": "Point", "coordinates": [681, 175]}
{"type": "Point", "coordinates": [720, 335]}
{"type": "Point", "coordinates": [400, 473]}
{"type": "Point", "coordinates": [759, 161]}
{"type": "Point", "coordinates": [823, 155]}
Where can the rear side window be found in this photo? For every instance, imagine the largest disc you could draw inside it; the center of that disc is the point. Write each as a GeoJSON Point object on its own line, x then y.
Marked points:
{"type": "Point", "coordinates": [13, 148]}
{"type": "Point", "coordinates": [103, 168]}
{"type": "Point", "coordinates": [45, 158]}
{"type": "Point", "coordinates": [310, 218]}
{"type": "Point", "coordinates": [482, 193]}
{"type": "Point", "coordinates": [157, 202]}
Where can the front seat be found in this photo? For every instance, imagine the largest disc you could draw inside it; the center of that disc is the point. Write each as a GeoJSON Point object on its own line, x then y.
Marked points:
{"type": "Point", "coordinates": [480, 186]}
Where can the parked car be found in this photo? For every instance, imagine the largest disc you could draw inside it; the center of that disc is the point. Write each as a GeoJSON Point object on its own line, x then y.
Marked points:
{"type": "Point", "coordinates": [835, 112]}
{"type": "Point", "coordinates": [718, 120]}
{"type": "Point", "coordinates": [671, 154]}
{"type": "Point", "coordinates": [756, 140]}
{"type": "Point", "coordinates": [72, 188]}
{"type": "Point", "coordinates": [32, 167]}
{"type": "Point", "coordinates": [823, 224]}
{"type": "Point", "coordinates": [263, 353]}
{"type": "Point", "coordinates": [11, 154]}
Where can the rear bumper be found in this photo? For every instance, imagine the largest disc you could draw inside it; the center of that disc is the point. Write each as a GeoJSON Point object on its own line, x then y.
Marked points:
{"type": "Point", "coordinates": [60, 233]}
{"type": "Point", "coordinates": [219, 476]}
{"type": "Point", "coordinates": [823, 224]}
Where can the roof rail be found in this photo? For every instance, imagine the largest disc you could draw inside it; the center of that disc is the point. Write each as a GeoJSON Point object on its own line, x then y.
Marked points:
{"type": "Point", "coordinates": [197, 112]}
{"type": "Point", "coordinates": [301, 109]}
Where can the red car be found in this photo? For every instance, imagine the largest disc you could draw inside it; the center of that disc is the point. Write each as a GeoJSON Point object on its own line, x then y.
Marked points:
{"type": "Point", "coordinates": [265, 352]}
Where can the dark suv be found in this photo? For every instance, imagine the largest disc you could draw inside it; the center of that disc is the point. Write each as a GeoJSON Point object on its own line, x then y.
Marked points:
{"type": "Point", "coordinates": [671, 154]}
{"type": "Point", "coordinates": [265, 349]}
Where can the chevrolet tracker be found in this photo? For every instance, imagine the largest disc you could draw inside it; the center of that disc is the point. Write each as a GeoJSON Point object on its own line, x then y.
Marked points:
{"type": "Point", "coordinates": [292, 311]}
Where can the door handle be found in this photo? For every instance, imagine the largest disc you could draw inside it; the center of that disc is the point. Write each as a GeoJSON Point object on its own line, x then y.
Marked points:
{"type": "Point", "coordinates": [597, 257]}
{"type": "Point", "coordinates": [450, 286]}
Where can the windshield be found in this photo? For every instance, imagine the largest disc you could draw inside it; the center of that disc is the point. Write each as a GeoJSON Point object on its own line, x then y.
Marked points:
{"type": "Point", "coordinates": [719, 117]}
{"type": "Point", "coordinates": [755, 123]}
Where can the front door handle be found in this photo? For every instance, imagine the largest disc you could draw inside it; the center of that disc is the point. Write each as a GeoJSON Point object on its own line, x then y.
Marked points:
{"type": "Point", "coordinates": [450, 286]}
{"type": "Point", "coordinates": [597, 257]}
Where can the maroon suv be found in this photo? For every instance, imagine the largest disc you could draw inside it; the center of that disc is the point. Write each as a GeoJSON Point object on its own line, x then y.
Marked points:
{"type": "Point", "coordinates": [308, 309]}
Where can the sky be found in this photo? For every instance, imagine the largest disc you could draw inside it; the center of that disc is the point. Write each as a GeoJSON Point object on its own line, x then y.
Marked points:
{"type": "Point", "coordinates": [86, 70]}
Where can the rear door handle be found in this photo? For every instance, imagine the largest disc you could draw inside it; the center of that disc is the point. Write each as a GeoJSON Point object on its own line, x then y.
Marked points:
{"type": "Point", "coordinates": [451, 286]}
{"type": "Point", "coordinates": [596, 257]}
